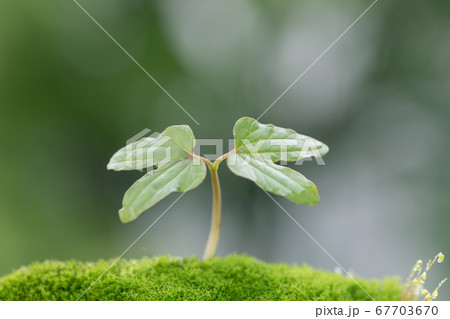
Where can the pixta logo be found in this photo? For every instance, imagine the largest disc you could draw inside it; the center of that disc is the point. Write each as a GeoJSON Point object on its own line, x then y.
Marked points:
{"type": "Point", "coordinates": [147, 148]}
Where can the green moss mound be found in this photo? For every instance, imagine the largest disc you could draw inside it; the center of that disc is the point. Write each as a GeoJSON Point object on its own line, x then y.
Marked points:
{"type": "Point", "coordinates": [166, 278]}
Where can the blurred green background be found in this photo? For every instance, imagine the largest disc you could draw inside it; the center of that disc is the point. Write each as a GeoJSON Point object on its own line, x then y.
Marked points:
{"type": "Point", "coordinates": [379, 99]}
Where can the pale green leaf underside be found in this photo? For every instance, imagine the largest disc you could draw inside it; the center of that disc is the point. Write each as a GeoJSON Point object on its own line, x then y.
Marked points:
{"type": "Point", "coordinates": [171, 152]}
{"type": "Point", "coordinates": [174, 176]}
{"type": "Point", "coordinates": [258, 146]}
{"type": "Point", "coordinates": [175, 143]}
{"type": "Point", "coordinates": [274, 142]}
{"type": "Point", "coordinates": [274, 178]}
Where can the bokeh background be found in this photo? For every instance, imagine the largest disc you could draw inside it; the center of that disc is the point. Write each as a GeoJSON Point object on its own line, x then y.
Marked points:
{"type": "Point", "coordinates": [379, 99]}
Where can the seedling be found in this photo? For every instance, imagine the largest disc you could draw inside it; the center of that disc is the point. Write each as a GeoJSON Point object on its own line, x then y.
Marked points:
{"type": "Point", "coordinates": [173, 167]}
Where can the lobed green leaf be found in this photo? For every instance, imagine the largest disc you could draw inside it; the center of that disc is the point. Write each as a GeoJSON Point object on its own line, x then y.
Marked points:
{"type": "Point", "coordinates": [277, 179]}
{"type": "Point", "coordinates": [276, 143]}
{"type": "Point", "coordinates": [259, 146]}
{"type": "Point", "coordinates": [177, 169]}
{"type": "Point", "coordinates": [175, 143]}
{"type": "Point", "coordinates": [174, 176]}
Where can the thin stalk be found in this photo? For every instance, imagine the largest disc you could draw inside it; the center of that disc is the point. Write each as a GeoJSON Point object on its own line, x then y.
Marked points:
{"type": "Point", "coordinates": [214, 233]}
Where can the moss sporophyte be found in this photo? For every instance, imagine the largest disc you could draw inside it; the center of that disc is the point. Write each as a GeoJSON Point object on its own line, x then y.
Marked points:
{"type": "Point", "coordinates": [414, 289]}
{"type": "Point", "coordinates": [174, 167]}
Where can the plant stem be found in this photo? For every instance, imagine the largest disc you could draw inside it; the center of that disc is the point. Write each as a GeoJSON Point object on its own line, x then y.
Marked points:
{"type": "Point", "coordinates": [214, 233]}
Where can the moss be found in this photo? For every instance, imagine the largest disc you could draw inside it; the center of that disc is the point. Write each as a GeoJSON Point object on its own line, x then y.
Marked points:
{"type": "Point", "coordinates": [165, 278]}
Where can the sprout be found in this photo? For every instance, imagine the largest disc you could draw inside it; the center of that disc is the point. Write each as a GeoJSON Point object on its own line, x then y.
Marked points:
{"type": "Point", "coordinates": [440, 257]}
{"type": "Point", "coordinates": [174, 167]}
